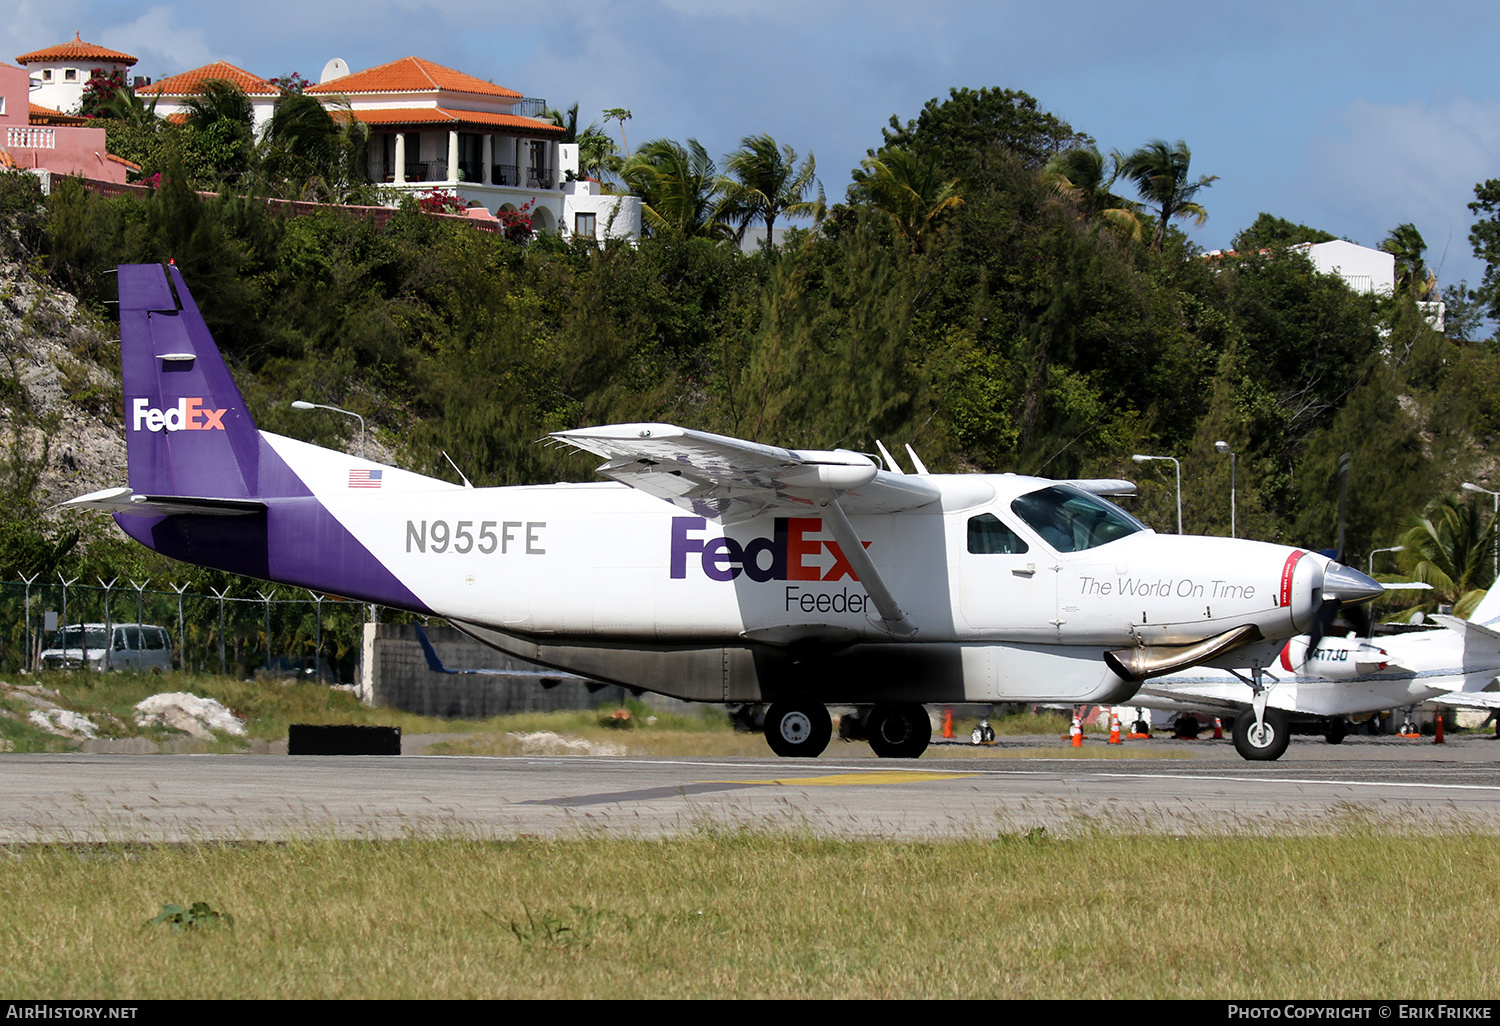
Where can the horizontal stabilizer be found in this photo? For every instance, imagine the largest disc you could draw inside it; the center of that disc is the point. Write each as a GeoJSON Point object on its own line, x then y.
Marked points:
{"type": "Point", "coordinates": [124, 500]}
{"type": "Point", "coordinates": [1468, 628]}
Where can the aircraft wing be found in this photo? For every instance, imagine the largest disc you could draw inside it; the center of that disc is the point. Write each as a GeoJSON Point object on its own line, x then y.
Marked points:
{"type": "Point", "coordinates": [1469, 700]}
{"type": "Point", "coordinates": [730, 479]}
{"type": "Point", "coordinates": [1470, 630]}
{"type": "Point", "coordinates": [1184, 694]}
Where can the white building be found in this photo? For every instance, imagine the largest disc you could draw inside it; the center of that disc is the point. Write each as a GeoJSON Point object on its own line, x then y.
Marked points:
{"type": "Point", "coordinates": [1364, 270]}
{"type": "Point", "coordinates": [434, 127]}
{"type": "Point", "coordinates": [171, 94]}
{"type": "Point", "coordinates": [59, 73]}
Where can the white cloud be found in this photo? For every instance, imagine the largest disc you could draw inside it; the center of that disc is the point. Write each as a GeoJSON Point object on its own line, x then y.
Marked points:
{"type": "Point", "coordinates": [1379, 165]}
{"type": "Point", "coordinates": [161, 46]}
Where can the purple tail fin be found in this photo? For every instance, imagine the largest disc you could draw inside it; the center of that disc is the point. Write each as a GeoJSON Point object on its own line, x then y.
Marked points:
{"type": "Point", "coordinates": [186, 427]}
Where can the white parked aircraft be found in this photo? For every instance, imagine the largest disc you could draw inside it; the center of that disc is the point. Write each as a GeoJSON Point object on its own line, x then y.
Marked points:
{"type": "Point", "coordinates": [710, 568]}
{"type": "Point", "coordinates": [1344, 677]}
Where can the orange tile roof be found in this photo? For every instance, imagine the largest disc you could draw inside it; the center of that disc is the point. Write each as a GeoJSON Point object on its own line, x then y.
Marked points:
{"type": "Point", "coordinates": [448, 116]}
{"type": "Point", "coordinates": [412, 75]}
{"type": "Point", "coordinates": [132, 165]}
{"type": "Point", "coordinates": [6, 160]}
{"type": "Point", "coordinates": [77, 50]}
{"type": "Point", "coordinates": [190, 82]}
{"type": "Point", "coordinates": [40, 115]}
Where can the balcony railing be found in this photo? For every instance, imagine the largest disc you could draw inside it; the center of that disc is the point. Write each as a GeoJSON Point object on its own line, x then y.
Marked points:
{"type": "Point", "coordinates": [31, 138]}
{"type": "Point", "coordinates": [530, 107]}
{"type": "Point", "coordinates": [471, 171]}
{"type": "Point", "coordinates": [416, 171]}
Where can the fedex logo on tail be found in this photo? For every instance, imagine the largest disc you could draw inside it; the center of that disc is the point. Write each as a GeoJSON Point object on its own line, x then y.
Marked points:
{"type": "Point", "coordinates": [187, 415]}
{"type": "Point", "coordinates": [782, 557]}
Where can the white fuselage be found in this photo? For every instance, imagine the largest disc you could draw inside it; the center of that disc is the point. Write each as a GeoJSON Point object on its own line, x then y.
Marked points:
{"type": "Point", "coordinates": [603, 564]}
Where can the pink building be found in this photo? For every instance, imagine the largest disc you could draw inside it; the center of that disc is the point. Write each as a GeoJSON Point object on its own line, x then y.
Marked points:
{"type": "Point", "coordinates": [47, 140]}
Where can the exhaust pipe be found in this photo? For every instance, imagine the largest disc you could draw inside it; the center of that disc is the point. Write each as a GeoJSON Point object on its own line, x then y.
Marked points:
{"type": "Point", "coordinates": [1145, 661]}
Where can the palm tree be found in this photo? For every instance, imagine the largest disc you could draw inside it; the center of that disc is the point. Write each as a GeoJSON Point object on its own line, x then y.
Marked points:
{"type": "Point", "coordinates": [312, 152]}
{"type": "Point", "coordinates": [910, 191]}
{"type": "Point", "coordinates": [1449, 546]}
{"type": "Point", "coordinates": [1085, 177]}
{"type": "Point", "coordinates": [1160, 173]}
{"type": "Point", "coordinates": [765, 182]}
{"type": "Point", "coordinates": [678, 187]}
{"type": "Point", "coordinates": [1406, 244]}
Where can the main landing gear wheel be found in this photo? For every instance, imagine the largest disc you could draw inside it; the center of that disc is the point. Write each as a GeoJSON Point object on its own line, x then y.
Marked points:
{"type": "Point", "coordinates": [798, 729]}
{"type": "Point", "coordinates": [899, 731]}
{"type": "Point", "coordinates": [1337, 728]}
{"type": "Point", "coordinates": [1261, 745]}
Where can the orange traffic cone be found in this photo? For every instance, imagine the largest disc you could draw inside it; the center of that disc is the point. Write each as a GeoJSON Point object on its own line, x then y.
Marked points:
{"type": "Point", "coordinates": [1114, 728]}
{"type": "Point", "coordinates": [1076, 732]}
{"type": "Point", "coordinates": [1218, 729]}
{"type": "Point", "coordinates": [1437, 736]}
{"type": "Point", "coordinates": [948, 723]}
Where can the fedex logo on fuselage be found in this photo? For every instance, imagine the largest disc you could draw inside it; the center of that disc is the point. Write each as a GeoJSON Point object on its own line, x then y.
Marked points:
{"type": "Point", "coordinates": [782, 557]}
{"type": "Point", "coordinates": [187, 415]}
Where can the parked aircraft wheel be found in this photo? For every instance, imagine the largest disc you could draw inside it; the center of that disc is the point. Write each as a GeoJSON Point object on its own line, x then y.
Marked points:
{"type": "Point", "coordinates": [899, 731]}
{"type": "Point", "coordinates": [1261, 745]}
{"type": "Point", "coordinates": [798, 729]}
{"type": "Point", "coordinates": [1337, 728]}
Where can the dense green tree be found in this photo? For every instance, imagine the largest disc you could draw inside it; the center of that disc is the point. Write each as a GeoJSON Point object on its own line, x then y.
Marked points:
{"type": "Point", "coordinates": [966, 132]}
{"type": "Point", "coordinates": [1161, 174]}
{"type": "Point", "coordinates": [1485, 238]}
{"type": "Point", "coordinates": [1268, 232]}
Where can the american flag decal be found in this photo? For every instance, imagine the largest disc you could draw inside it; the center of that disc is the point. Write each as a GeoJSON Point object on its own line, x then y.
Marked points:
{"type": "Point", "coordinates": [365, 478]}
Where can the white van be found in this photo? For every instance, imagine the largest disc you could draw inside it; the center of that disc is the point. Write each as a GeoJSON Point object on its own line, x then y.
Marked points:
{"type": "Point", "coordinates": [137, 647]}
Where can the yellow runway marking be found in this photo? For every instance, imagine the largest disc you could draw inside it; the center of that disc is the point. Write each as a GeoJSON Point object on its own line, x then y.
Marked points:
{"type": "Point", "coordinates": [876, 777]}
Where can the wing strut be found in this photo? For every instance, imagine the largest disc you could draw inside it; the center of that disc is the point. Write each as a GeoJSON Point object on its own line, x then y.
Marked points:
{"type": "Point", "coordinates": [892, 617]}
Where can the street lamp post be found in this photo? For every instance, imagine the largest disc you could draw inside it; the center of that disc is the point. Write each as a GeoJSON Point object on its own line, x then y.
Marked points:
{"type": "Point", "coordinates": [1469, 487]}
{"type": "Point", "coordinates": [1370, 564]}
{"type": "Point", "coordinates": [300, 404]}
{"type": "Point", "coordinates": [1223, 448]}
{"type": "Point", "coordinates": [1142, 459]}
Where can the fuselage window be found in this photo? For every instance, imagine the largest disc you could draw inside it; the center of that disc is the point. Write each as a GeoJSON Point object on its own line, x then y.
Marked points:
{"type": "Point", "coordinates": [1072, 520]}
{"type": "Point", "coordinates": [988, 535]}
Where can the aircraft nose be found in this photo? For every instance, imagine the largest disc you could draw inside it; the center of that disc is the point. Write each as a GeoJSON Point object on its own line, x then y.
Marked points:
{"type": "Point", "coordinates": [1349, 586]}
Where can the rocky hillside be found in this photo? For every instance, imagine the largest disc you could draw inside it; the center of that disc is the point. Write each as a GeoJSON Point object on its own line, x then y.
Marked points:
{"type": "Point", "coordinates": [59, 390]}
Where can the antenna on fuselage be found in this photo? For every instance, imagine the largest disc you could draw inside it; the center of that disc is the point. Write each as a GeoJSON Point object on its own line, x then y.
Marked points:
{"type": "Point", "coordinates": [916, 460]}
{"type": "Point", "coordinates": [890, 464]}
{"type": "Point", "coordinates": [460, 473]}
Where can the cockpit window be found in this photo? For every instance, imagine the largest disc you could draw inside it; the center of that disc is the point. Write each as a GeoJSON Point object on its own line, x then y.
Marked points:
{"type": "Point", "coordinates": [1072, 520]}
{"type": "Point", "coordinates": [988, 535]}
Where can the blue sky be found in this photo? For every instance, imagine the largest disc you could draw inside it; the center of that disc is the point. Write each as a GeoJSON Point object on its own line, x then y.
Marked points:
{"type": "Point", "coordinates": [1351, 117]}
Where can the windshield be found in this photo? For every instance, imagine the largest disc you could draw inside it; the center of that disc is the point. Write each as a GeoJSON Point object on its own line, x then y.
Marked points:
{"type": "Point", "coordinates": [73, 637]}
{"type": "Point", "coordinates": [1072, 520]}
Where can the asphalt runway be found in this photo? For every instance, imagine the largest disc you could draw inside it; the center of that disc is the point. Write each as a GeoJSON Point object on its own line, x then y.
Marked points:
{"type": "Point", "coordinates": [1383, 783]}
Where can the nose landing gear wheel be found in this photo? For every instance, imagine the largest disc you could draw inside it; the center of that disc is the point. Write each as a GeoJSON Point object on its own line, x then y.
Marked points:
{"type": "Point", "coordinates": [899, 731]}
{"type": "Point", "coordinates": [798, 729]}
{"type": "Point", "coordinates": [1261, 745]}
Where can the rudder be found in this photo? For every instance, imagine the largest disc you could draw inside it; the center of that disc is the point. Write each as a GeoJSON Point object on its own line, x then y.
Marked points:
{"type": "Point", "coordinates": [187, 430]}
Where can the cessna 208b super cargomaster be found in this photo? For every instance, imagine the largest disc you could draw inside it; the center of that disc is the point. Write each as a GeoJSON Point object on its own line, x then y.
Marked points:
{"type": "Point", "coordinates": [710, 568]}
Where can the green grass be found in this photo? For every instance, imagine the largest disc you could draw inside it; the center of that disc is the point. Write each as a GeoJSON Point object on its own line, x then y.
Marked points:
{"type": "Point", "coordinates": [749, 915]}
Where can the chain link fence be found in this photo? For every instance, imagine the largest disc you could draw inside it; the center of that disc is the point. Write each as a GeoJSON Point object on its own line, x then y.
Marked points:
{"type": "Point", "coordinates": [233, 633]}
